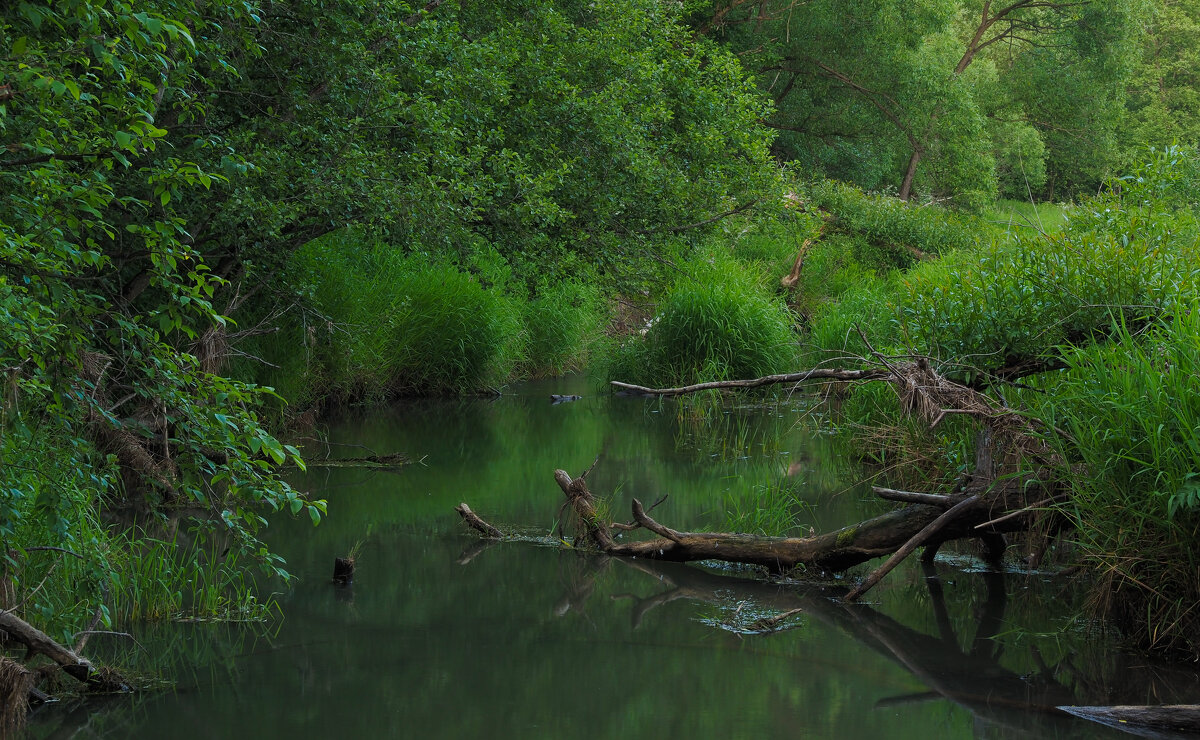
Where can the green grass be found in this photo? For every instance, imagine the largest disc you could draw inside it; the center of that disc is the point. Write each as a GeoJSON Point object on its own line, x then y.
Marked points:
{"type": "Point", "coordinates": [716, 322]}
{"type": "Point", "coordinates": [1018, 216]}
{"type": "Point", "coordinates": [381, 323]}
{"type": "Point", "coordinates": [562, 321]}
{"type": "Point", "coordinates": [1130, 411]}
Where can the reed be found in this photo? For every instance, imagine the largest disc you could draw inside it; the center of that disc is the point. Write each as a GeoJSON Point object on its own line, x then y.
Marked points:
{"type": "Point", "coordinates": [1129, 412]}
{"type": "Point", "coordinates": [379, 323]}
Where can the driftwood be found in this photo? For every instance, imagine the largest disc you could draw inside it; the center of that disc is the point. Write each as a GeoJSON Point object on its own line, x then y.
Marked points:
{"type": "Point", "coordinates": [390, 461]}
{"type": "Point", "coordinates": [474, 522]}
{"type": "Point", "coordinates": [1163, 721]}
{"type": "Point", "coordinates": [835, 551]}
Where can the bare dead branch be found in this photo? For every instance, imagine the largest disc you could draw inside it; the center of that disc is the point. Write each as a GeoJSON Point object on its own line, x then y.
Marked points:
{"type": "Point", "coordinates": [917, 540]}
{"type": "Point", "coordinates": [912, 497]}
{"type": "Point", "coordinates": [800, 377]}
{"type": "Point", "coordinates": [474, 522]}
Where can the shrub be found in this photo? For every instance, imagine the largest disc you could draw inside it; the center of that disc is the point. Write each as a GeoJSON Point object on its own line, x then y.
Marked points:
{"type": "Point", "coordinates": [894, 223]}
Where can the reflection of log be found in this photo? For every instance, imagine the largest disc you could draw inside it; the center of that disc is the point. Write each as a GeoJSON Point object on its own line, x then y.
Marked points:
{"type": "Point", "coordinates": [974, 680]}
{"type": "Point", "coordinates": [1164, 721]}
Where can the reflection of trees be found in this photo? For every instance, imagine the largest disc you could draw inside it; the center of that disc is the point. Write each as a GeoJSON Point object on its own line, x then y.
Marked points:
{"type": "Point", "coordinates": [971, 677]}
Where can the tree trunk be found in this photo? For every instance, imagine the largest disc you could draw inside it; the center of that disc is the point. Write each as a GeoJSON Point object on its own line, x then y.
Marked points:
{"type": "Point", "coordinates": [910, 173]}
{"type": "Point", "coordinates": [835, 551]}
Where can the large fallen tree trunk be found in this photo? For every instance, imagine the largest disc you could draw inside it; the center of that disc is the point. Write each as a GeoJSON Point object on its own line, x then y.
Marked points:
{"type": "Point", "coordinates": [835, 551]}
{"type": "Point", "coordinates": [74, 665]}
{"type": "Point", "coordinates": [1005, 493]}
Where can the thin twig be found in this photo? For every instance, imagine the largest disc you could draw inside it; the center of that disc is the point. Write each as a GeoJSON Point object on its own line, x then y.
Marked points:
{"type": "Point", "coordinates": [53, 549]}
{"type": "Point", "coordinates": [1021, 511]}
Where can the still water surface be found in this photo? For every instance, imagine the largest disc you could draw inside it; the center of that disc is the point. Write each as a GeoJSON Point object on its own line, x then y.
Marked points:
{"type": "Point", "coordinates": [445, 636]}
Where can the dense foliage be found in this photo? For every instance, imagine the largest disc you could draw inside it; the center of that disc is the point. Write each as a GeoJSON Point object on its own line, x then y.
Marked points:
{"type": "Point", "coordinates": [164, 161]}
{"type": "Point", "coordinates": [210, 209]}
{"type": "Point", "coordinates": [1099, 319]}
{"type": "Point", "coordinates": [967, 99]}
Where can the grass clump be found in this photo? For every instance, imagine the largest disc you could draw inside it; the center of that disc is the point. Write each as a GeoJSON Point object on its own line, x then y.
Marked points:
{"type": "Point", "coordinates": [1131, 409]}
{"type": "Point", "coordinates": [714, 323]}
{"type": "Point", "coordinates": [561, 322]}
{"type": "Point", "coordinates": [383, 323]}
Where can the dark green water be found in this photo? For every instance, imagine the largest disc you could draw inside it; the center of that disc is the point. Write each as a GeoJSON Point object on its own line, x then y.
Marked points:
{"type": "Point", "coordinates": [442, 635]}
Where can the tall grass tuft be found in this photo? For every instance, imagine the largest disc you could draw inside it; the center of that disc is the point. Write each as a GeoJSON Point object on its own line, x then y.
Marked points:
{"type": "Point", "coordinates": [561, 323]}
{"type": "Point", "coordinates": [383, 323]}
{"type": "Point", "coordinates": [715, 323]}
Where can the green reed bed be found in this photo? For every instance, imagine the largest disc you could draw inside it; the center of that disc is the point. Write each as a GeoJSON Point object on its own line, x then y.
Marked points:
{"type": "Point", "coordinates": [1130, 416]}
{"type": "Point", "coordinates": [715, 322]}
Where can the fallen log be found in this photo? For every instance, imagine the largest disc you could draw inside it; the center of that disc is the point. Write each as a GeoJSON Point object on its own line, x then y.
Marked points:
{"type": "Point", "coordinates": [390, 461]}
{"type": "Point", "coordinates": [895, 533]}
{"type": "Point", "coordinates": [814, 374]}
{"type": "Point", "coordinates": [473, 521]}
{"type": "Point", "coordinates": [1147, 721]}
{"type": "Point", "coordinates": [913, 543]}
{"type": "Point", "coordinates": [995, 499]}
{"type": "Point", "coordinates": [74, 665]}
{"type": "Point", "coordinates": [912, 497]}
{"type": "Point", "coordinates": [834, 551]}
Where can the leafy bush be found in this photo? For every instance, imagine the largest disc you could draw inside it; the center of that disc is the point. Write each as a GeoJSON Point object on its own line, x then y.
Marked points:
{"type": "Point", "coordinates": [895, 223]}
{"type": "Point", "coordinates": [1132, 251]}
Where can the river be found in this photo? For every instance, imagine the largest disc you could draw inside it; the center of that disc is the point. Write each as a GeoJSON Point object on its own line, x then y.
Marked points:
{"type": "Point", "coordinates": [445, 636]}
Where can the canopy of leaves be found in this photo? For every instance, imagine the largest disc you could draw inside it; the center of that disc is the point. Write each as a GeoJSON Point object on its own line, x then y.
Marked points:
{"type": "Point", "coordinates": [977, 97]}
{"type": "Point", "coordinates": [162, 158]}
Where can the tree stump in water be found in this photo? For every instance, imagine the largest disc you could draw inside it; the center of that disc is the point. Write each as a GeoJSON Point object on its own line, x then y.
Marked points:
{"type": "Point", "coordinates": [343, 571]}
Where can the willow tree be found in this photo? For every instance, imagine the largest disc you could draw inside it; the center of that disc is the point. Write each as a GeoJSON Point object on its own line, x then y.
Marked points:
{"type": "Point", "coordinates": [948, 97]}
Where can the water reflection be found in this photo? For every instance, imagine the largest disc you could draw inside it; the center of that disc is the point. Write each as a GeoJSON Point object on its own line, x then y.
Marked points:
{"type": "Point", "coordinates": [444, 635]}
